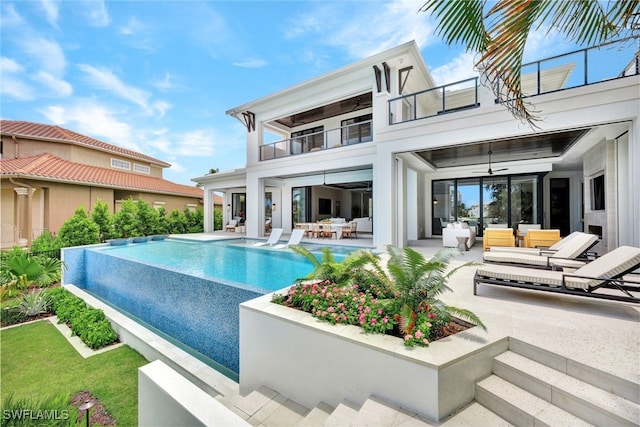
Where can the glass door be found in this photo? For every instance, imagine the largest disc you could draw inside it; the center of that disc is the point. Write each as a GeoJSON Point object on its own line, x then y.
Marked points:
{"type": "Point", "coordinates": [468, 201]}
{"type": "Point", "coordinates": [443, 204]}
{"type": "Point", "coordinates": [300, 201]}
{"type": "Point", "coordinates": [495, 195]}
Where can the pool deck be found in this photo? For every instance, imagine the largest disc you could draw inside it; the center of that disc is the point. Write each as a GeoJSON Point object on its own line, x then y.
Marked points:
{"type": "Point", "coordinates": [601, 334]}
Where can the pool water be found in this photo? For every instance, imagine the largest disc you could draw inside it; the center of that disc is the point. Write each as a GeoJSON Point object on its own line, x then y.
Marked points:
{"type": "Point", "coordinates": [235, 261]}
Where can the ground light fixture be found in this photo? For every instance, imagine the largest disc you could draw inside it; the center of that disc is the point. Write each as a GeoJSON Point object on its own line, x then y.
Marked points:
{"type": "Point", "coordinates": [86, 406]}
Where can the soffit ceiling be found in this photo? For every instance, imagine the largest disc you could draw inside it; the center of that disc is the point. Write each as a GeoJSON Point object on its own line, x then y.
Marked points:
{"type": "Point", "coordinates": [338, 108]}
{"type": "Point", "coordinates": [504, 150]}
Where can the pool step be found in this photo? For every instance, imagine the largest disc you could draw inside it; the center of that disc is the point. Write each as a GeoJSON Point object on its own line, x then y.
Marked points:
{"type": "Point", "coordinates": [531, 386]}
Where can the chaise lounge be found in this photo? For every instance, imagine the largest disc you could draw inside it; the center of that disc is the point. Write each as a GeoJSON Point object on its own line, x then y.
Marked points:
{"type": "Point", "coordinates": [570, 255]}
{"type": "Point", "coordinates": [596, 279]}
{"type": "Point", "coordinates": [273, 238]}
{"type": "Point", "coordinates": [294, 239]}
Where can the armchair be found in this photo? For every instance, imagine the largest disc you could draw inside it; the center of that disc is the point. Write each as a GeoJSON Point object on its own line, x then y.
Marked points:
{"type": "Point", "coordinates": [451, 233]}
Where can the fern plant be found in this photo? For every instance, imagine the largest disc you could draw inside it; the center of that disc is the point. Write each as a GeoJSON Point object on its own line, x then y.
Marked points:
{"type": "Point", "coordinates": [419, 283]}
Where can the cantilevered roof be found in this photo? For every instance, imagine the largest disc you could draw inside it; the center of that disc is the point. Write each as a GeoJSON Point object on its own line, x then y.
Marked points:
{"type": "Point", "coordinates": [52, 133]}
{"type": "Point", "coordinates": [47, 167]}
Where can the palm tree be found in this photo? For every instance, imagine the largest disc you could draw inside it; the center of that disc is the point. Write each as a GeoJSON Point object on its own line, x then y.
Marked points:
{"type": "Point", "coordinates": [500, 35]}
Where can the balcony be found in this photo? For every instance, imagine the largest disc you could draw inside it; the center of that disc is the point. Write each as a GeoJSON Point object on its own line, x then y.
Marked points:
{"type": "Point", "coordinates": [574, 69]}
{"type": "Point", "coordinates": [324, 140]}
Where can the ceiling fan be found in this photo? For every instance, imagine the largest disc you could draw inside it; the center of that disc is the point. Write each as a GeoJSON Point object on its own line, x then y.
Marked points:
{"type": "Point", "coordinates": [491, 171]}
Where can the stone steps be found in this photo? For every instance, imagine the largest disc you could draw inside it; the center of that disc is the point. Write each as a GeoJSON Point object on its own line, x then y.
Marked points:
{"type": "Point", "coordinates": [531, 386]}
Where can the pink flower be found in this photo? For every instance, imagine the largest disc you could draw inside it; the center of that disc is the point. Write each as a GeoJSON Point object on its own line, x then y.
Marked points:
{"type": "Point", "coordinates": [426, 341]}
{"type": "Point", "coordinates": [367, 310]}
{"type": "Point", "coordinates": [379, 311]}
{"type": "Point", "coordinates": [419, 334]}
{"type": "Point", "coordinates": [408, 337]}
{"type": "Point", "coordinates": [330, 309]}
{"type": "Point", "coordinates": [385, 319]}
{"type": "Point", "coordinates": [373, 321]}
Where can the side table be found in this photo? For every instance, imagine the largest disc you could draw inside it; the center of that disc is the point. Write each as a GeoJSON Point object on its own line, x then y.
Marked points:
{"type": "Point", "coordinates": [462, 240]}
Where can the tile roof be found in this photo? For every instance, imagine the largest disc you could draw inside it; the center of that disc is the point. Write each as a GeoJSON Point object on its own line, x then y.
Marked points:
{"type": "Point", "coordinates": [48, 167]}
{"type": "Point", "coordinates": [56, 133]}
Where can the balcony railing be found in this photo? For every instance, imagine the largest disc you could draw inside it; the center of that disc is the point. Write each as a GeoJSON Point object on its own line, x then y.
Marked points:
{"type": "Point", "coordinates": [449, 98]}
{"type": "Point", "coordinates": [582, 67]}
{"type": "Point", "coordinates": [333, 138]}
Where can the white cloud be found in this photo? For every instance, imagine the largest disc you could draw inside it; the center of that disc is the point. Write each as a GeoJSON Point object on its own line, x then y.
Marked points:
{"type": "Point", "coordinates": [132, 27]}
{"type": "Point", "coordinates": [13, 87]}
{"type": "Point", "coordinates": [161, 107]}
{"type": "Point", "coordinates": [251, 63]}
{"type": "Point", "coordinates": [90, 118]}
{"type": "Point", "coordinates": [9, 18]}
{"type": "Point", "coordinates": [8, 65]}
{"type": "Point", "coordinates": [96, 13]}
{"type": "Point", "coordinates": [194, 143]}
{"type": "Point", "coordinates": [58, 86]}
{"type": "Point", "coordinates": [370, 28]}
{"type": "Point", "coordinates": [107, 80]}
{"type": "Point", "coordinates": [47, 53]}
{"type": "Point", "coordinates": [51, 11]}
{"type": "Point", "coordinates": [164, 84]}
{"type": "Point", "coordinates": [460, 68]}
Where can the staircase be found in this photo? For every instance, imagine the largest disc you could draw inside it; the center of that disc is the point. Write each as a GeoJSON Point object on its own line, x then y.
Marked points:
{"type": "Point", "coordinates": [531, 386]}
{"type": "Point", "coordinates": [528, 386]}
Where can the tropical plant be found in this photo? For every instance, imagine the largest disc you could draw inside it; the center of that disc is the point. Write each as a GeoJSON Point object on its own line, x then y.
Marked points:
{"type": "Point", "coordinates": [419, 283]}
{"type": "Point", "coordinates": [51, 270]}
{"type": "Point", "coordinates": [217, 219]}
{"type": "Point", "coordinates": [34, 303]}
{"type": "Point", "coordinates": [500, 34]}
{"type": "Point", "coordinates": [351, 270]}
{"type": "Point", "coordinates": [177, 222]}
{"type": "Point", "coordinates": [21, 265]}
{"type": "Point", "coordinates": [79, 230]}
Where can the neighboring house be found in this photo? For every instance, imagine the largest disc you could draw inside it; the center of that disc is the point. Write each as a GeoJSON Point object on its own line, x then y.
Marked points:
{"type": "Point", "coordinates": [378, 141]}
{"type": "Point", "coordinates": [47, 171]}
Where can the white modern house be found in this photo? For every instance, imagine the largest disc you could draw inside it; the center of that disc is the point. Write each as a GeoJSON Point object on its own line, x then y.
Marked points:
{"type": "Point", "coordinates": [380, 143]}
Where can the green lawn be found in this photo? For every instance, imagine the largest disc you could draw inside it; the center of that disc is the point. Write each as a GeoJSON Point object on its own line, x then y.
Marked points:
{"type": "Point", "coordinates": [36, 360]}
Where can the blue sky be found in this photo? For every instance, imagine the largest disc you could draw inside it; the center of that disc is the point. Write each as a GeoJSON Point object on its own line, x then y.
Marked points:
{"type": "Point", "coordinates": [157, 76]}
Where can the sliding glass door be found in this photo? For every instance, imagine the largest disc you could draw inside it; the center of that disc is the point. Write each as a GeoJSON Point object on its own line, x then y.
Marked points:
{"type": "Point", "coordinates": [501, 199]}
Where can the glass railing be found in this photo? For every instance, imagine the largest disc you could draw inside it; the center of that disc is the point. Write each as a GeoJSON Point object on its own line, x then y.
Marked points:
{"type": "Point", "coordinates": [439, 100]}
{"type": "Point", "coordinates": [582, 67]}
{"type": "Point", "coordinates": [334, 138]}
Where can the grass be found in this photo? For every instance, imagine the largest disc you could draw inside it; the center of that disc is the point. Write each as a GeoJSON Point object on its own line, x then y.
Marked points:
{"type": "Point", "coordinates": [36, 360]}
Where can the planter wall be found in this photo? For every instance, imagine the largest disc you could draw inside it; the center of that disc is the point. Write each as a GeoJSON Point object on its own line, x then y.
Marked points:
{"type": "Point", "coordinates": [311, 362]}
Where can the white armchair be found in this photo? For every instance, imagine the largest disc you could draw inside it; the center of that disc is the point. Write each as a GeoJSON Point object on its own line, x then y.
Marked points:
{"type": "Point", "coordinates": [451, 233]}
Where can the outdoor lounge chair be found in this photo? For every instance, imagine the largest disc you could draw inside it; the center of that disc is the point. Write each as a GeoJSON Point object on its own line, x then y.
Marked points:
{"type": "Point", "coordinates": [497, 237]}
{"type": "Point", "coordinates": [541, 238]}
{"type": "Point", "coordinates": [537, 251]}
{"type": "Point", "coordinates": [273, 238]}
{"type": "Point", "coordinates": [566, 257]}
{"type": "Point", "coordinates": [597, 279]}
{"type": "Point", "coordinates": [231, 225]}
{"type": "Point", "coordinates": [294, 239]}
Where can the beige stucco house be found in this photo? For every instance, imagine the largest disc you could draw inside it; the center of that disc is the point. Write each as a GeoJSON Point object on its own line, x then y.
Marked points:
{"type": "Point", "coordinates": [46, 172]}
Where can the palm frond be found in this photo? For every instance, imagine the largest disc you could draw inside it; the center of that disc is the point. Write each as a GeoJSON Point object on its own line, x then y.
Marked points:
{"type": "Point", "coordinates": [466, 315]}
{"type": "Point", "coordinates": [301, 250]}
{"type": "Point", "coordinates": [451, 13]}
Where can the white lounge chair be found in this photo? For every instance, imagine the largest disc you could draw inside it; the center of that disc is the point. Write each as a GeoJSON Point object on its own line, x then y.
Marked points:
{"type": "Point", "coordinates": [294, 239]}
{"type": "Point", "coordinates": [565, 257]}
{"type": "Point", "coordinates": [607, 272]}
{"type": "Point", "coordinates": [273, 238]}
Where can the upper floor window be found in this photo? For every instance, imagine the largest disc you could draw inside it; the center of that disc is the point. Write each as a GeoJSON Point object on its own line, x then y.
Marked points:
{"type": "Point", "coordinates": [307, 140]}
{"type": "Point", "coordinates": [120, 164]}
{"type": "Point", "coordinates": [141, 168]}
{"type": "Point", "coordinates": [356, 130]}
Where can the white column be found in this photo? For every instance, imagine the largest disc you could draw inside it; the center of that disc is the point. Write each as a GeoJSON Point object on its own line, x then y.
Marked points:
{"type": "Point", "coordinates": [255, 206]}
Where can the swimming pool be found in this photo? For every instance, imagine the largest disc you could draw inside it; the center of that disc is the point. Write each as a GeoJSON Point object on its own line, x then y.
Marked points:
{"type": "Point", "coordinates": [189, 290]}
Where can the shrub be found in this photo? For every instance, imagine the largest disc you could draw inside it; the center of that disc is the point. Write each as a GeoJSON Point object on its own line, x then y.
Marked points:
{"type": "Point", "coordinates": [176, 222]}
{"type": "Point", "coordinates": [88, 323]}
{"type": "Point", "coordinates": [11, 316]}
{"type": "Point", "coordinates": [45, 242]}
{"type": "Point", "coordinates": [79, 230]}
{"type": "Point", "coordinates": [125, 222]}
{"type": "Point", "coordinates": [102, 217]}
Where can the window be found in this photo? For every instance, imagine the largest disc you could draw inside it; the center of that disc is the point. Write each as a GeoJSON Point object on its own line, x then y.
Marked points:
{"type": "Point", "coordinates": [120, 164]}
{"type": "Point", "coordinates": [307, 140]}
{"type": "Point", "coordinates": [191, 206]}
{"type": "Point", "coordinates": [597, 193]}
{"type": "Point", "coordinates": [141, 168]}
{"type": "Point", "coordinates": [158, 205]}
{"type": "Point", "coordinates": [356, 130]}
